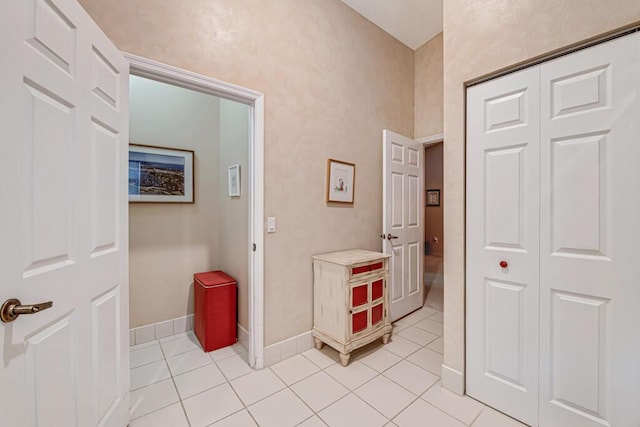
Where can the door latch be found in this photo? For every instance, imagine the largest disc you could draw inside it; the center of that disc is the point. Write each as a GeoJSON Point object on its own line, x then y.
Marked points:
{"type": "Point", "coordinates": [12, 308]}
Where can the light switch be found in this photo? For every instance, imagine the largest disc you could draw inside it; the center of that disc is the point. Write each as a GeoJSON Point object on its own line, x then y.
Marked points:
{"type": "Point", "coordinates": [271, 224]}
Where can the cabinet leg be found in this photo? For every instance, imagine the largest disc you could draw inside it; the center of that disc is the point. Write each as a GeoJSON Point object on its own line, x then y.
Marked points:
{"type": "Point", "coordinates": [385, 338]}
{"type": "Point", "coordinates": [319, 344]}
{"type": "Point", "coordinates": [345, 358]}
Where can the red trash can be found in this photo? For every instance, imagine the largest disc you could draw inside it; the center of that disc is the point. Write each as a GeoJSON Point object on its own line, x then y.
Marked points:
{"type": "Point", "coordinates": [214, 299]}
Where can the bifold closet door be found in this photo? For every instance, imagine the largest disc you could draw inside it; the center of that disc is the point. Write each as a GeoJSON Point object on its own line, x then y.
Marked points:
{"type": "Point", "coordinates": [503, 243]}
{"type": "Point", "coordinates": [590, 237]}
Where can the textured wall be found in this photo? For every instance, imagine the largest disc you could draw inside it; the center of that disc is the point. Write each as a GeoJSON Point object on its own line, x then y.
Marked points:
{"type": "Point", "coordinates": [481, 37]}
{"type": "Point", "coordinates": [170, 242]}
{"type": "Point", "coordinates": [429, 93]}
{"type": "Point", "coordinates": [332, 81]}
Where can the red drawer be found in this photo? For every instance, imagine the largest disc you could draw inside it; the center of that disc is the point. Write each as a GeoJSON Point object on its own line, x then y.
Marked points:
{"type": "Point", "coordinates": [366, 268]}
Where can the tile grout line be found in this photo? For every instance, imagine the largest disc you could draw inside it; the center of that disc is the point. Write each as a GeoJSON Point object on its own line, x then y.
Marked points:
{"type": "Point", "coordinates": [353, 391]}
{"type": "Point", "coordinates": [154, 382]}
{"type": "Point", "coordinates": [175, 386]}
{"type": "Point", "coordinates": [382, 374]}
{"type": "Point", "coordinates": [305, 403]}
{"type": "Point", "coordinates": [213, 362]}
{"type": "Point", "coordinates": [378, 373]}
{"type": "Point", "coordinates": [478, 416]}
{"type": "Point", "coordinates": [227, 380]}
{"type": "Point", "coordinates": [245, 407]}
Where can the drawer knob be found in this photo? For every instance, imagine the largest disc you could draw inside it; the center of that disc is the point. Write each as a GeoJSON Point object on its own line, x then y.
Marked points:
{"type": "Point", "coordinates": [504, 264]}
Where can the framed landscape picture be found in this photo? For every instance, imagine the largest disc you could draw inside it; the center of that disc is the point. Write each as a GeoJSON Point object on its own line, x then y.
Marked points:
{"type": "Point", "coordinates": [160, 174]}
{"type": "Point", "coordinates": [341, 178]}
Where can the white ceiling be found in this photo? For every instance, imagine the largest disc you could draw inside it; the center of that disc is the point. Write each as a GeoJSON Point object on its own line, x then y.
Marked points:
{"type": "Point", "coordinates": [413, 22]}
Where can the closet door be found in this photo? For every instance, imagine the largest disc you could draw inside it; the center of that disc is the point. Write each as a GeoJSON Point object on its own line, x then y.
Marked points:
{"type": "Point", "coordinates": [502, 243]}
{"type": "Point", "coordinates": [590, 237]}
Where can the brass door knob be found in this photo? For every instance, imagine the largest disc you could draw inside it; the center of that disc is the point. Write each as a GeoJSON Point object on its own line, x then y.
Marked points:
{"type": "Point", "coordinates": [12, 308]}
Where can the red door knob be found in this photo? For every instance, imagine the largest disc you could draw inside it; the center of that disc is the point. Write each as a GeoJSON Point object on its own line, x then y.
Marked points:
{"type": "Point", "coordinates": [504, 264]}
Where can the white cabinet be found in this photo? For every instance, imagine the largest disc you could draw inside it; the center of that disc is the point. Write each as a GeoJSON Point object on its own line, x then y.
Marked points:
{"type": "Point", "coordinates": [350, 300]}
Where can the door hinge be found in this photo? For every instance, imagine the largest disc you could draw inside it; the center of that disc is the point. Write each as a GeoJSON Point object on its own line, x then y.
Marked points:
{"type": "Point", "coordinates": [253, 247]}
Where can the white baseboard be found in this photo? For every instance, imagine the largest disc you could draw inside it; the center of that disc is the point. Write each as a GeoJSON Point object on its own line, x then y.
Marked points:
{"type": "Point", "coordinates": [453, 380]}
{"type": "Point", "coordinates": [272, 354]}
{"type": "Point", "coordinates": [243, 337]}
{"type": "Point", "coordinates": [167, 328]}
{"type": "Point", "coordinates": [285, 349]}
{"type": "Point", "coordinates": [156, 331]}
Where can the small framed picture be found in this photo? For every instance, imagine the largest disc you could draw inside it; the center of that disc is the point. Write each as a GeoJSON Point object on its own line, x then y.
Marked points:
{"type": "Point", "coordinates": [234, 180]}
{"type": "Point", "coordinates": [433, 197]}
{"type": "Point", "coordinates": [160, 174]}
{"type": "Point", "coordinates": [341, 177]}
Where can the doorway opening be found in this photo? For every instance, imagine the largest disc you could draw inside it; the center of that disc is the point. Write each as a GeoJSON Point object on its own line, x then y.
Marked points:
{"type": "Point", "coordinates": [434, 226]}
{"type": "Point", "coordinates": [221, 230]}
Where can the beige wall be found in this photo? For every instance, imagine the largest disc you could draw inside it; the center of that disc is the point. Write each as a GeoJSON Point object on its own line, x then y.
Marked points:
{"type": "Point", "coordinates": [170, 242]}
{"type": "Point", "coordinates": [428, 104]}
{"type": "Point", "coordinates": [233, 212]}
{"type": "Point", "coordinates": [481, 37]}
{"type": "Point", "coordinates": [332, 81]}
{"type": "Point", "coordinates": [433, 215]}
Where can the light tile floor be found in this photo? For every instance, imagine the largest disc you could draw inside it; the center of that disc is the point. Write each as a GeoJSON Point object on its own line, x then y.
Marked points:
{"type": "Point", "coordinates": [175, 384]}
{"type": "Point", "coordinates": [434, 281]}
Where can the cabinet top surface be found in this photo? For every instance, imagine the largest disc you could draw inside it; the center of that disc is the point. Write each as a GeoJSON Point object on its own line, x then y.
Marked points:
{"type": "Point", "coordinates": [353, 256]}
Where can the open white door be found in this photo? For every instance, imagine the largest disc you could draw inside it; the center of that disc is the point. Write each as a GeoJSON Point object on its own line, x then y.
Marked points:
{"type": "Point", "coordinates": [63, 222]}
{"type": "Point", "coordinates": [403, 221]}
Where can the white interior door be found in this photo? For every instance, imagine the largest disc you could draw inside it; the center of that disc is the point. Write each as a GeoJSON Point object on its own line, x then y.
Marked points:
{"type": "Point", "coordinates": [590, 237]}
{"type": "Point", "coordinates": [403, 221]}
{"type": "Point", "coordinates": [63, 222]}
{"type": "Point", "coordinates": [502, 243]}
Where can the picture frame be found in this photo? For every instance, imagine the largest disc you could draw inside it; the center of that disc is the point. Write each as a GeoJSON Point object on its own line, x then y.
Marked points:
{"type": "Point", "coordinates": [433, 197]}
{"type": "Point", "coordinates": [234, 180]}
{"type": "Point", "coordinates": [341, 178]}
{"type": "Point", "coordinates": [160, 174]}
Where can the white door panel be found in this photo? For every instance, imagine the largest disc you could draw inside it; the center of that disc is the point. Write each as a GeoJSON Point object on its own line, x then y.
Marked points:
{"type": "Point", "coordinates": [590, 233]}
{"type": "Point", "coordinates": [64, 121]}
{"type": "Point", "coordinates": [589, 239]}
{"type": "Point", "coordinates": [502, 226]}
{"type": "Point", "coordinates": [403, 219]}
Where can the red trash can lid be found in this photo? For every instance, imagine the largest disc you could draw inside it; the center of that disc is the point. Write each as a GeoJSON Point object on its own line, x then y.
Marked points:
{"type": "Point", "coordinates": [214, 278]}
